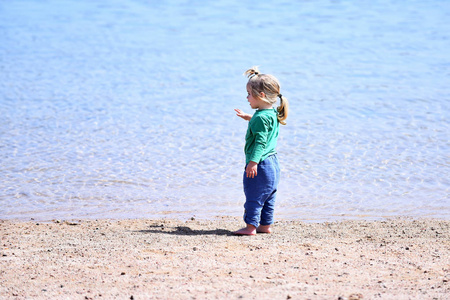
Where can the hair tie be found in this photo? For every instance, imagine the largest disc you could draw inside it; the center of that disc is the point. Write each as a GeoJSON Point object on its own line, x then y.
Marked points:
{"type": "Point", "coordinates": [254, 74]}
{"type": "Point", "coordinates": [279, 95]}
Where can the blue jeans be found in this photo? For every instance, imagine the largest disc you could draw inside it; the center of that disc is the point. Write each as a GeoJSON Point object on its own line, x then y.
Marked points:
{"type": "Point", "coordinates": [260, 192]}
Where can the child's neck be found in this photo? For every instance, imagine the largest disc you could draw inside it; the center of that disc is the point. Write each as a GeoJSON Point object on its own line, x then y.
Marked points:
{"type": "Point", "coordinates": [264, 106]}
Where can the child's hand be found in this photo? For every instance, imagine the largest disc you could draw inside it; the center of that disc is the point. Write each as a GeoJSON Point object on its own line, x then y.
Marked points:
{"type": "Point", "coordinates": [242, 114]}
{"type": "Point", "coordinates": [252, 169]}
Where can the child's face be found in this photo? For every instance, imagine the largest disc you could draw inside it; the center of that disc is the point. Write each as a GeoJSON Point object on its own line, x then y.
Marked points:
{"type": "Point", "coordinates": [254, 101]}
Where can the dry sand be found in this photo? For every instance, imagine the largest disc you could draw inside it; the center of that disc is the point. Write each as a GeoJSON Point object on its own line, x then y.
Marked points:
{"type": "Point", "coordinates": [198, 259]}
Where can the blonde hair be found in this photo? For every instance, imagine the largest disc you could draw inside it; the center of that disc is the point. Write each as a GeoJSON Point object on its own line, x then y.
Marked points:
{"type": "Point", "coordinates": [270, 86]}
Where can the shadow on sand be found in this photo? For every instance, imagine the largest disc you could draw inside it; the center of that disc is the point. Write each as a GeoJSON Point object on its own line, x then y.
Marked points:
{"type": "Point", "coordinates": [184, 230]}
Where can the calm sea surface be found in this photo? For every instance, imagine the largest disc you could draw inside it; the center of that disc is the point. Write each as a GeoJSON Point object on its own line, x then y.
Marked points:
{"type": "Point", "coordinates": [124, 109]}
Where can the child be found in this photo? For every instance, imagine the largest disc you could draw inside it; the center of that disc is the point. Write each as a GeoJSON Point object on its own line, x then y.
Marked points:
{"type": "Point", "coordinates": [262, 171]}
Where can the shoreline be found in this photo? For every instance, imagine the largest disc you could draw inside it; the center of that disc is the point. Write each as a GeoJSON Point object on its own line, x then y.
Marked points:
{"type": "Point", "coordinates": [400, 258]}
{"type": "Point", "coordinates": [186, 216]}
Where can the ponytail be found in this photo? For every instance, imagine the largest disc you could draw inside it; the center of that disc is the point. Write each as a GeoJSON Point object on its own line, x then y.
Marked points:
{"type": "Point", "coordinates": [283, 109]}
{"type": "Point", "coordinates": [252, 72]}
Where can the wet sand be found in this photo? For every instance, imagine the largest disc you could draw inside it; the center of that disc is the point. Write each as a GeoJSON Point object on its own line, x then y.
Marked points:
{"type": "Point", "coordinates": [201, 259]}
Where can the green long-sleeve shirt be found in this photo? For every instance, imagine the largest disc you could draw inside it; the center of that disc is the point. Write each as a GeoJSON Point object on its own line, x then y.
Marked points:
{"type": "Point", "coordinates": [262, 134]}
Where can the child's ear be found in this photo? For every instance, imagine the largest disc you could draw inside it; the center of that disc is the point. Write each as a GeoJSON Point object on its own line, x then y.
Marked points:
{"type": "Point", "coordinates": [262, 95]}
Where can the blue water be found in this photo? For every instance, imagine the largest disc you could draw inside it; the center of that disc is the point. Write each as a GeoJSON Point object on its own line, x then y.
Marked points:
{"type": "Point", "coordinates": [124, 109]}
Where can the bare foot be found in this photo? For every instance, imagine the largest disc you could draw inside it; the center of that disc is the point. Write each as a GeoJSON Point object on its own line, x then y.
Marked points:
{"type": "Point", "coordinates": [249, 230]}
{"type": "Point", "coordinates": [264, 229]}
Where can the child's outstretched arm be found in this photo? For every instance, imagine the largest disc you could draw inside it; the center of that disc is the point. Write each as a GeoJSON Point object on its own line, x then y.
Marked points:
{"type": "Point", "coordinates": [242, 114]}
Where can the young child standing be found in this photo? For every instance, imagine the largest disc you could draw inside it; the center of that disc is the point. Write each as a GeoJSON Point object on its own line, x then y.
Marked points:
{"type": "Point", "coordinates": [262, 171]}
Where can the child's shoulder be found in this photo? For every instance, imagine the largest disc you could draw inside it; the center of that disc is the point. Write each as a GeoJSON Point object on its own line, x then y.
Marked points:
{"type": "Point", "coordinates": [264, 117]}
{"type": "Point", "coordinates": [266, 114]}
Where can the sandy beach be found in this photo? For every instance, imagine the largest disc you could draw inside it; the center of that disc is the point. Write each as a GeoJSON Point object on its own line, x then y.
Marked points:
{"type": "Point", "coordinates": [201, 259]}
